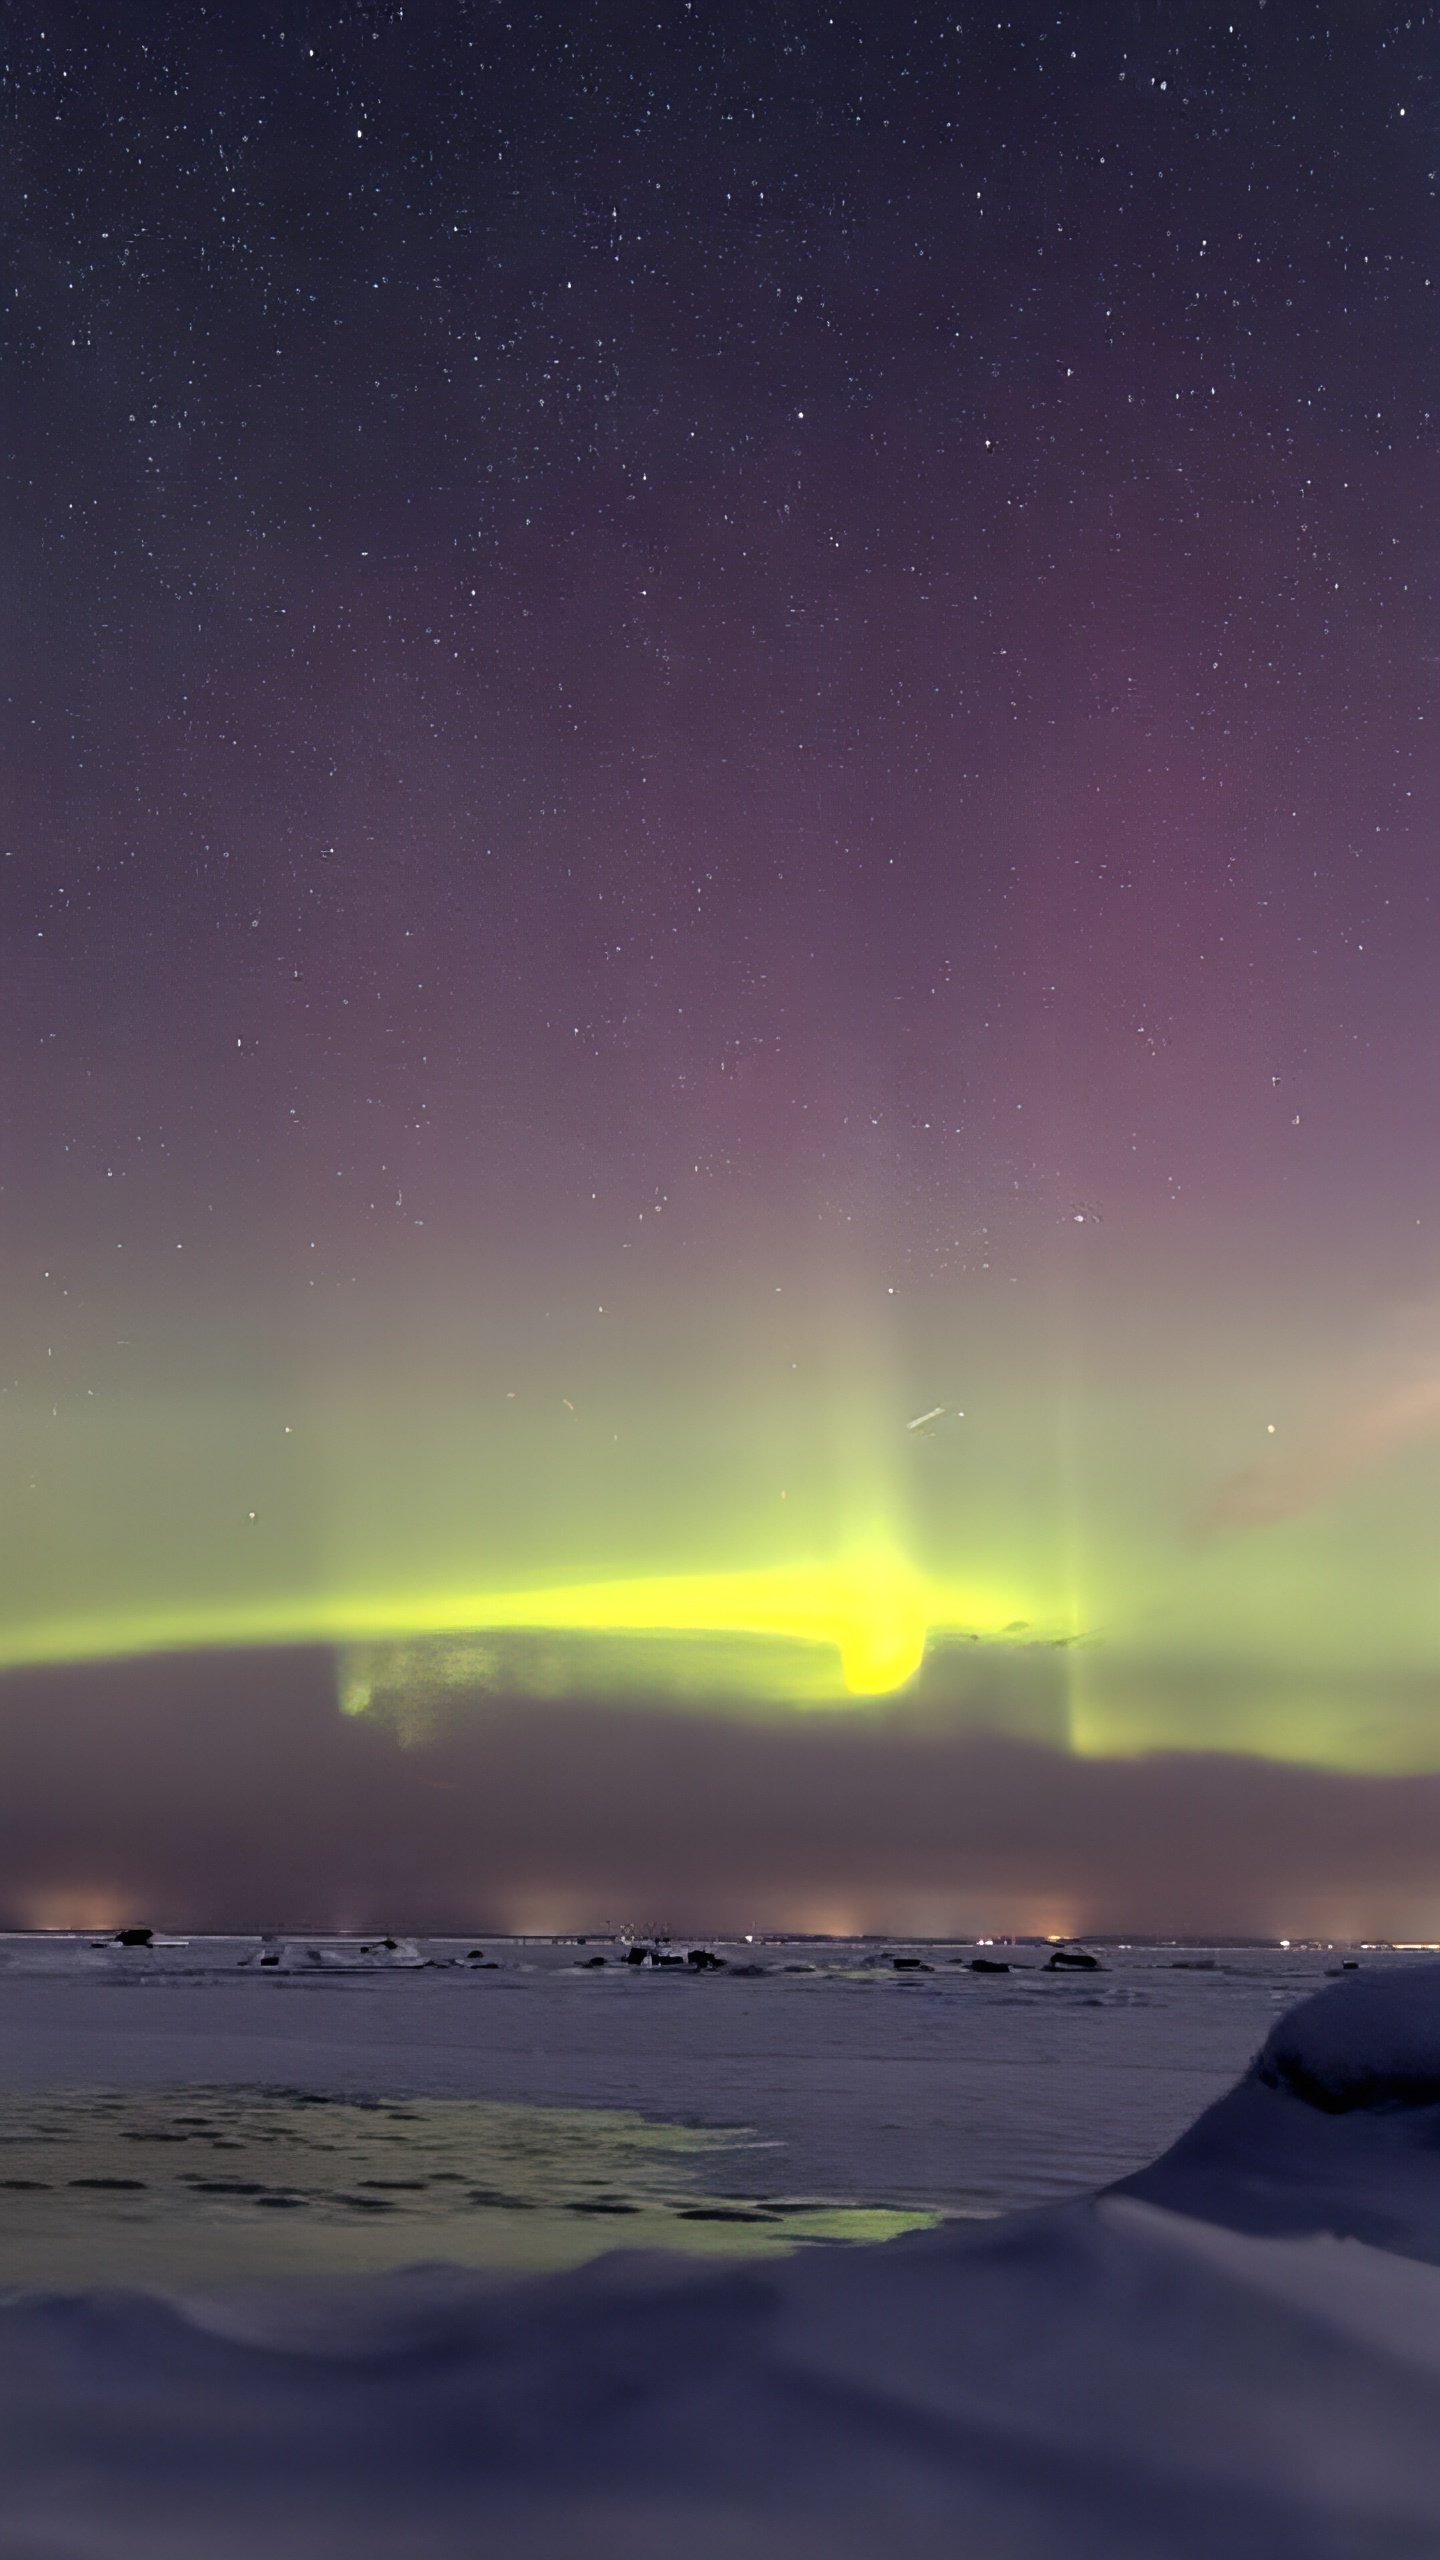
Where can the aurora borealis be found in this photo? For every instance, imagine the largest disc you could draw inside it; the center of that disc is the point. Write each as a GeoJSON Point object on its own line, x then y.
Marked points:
{"type": "Point", "coordinates": [720, 949]}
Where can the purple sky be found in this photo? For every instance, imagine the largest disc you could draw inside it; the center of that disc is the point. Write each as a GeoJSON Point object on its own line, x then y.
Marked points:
{"type": "Point", "coordinates": [722, 726]}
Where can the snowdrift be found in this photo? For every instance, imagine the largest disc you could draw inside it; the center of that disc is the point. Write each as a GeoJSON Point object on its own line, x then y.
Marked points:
{"type": "Point", "coordinates": [1335, 2127]}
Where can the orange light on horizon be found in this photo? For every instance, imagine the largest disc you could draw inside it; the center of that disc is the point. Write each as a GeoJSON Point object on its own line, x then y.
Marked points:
{"type": "Point", "coordinates": [75, 1909]}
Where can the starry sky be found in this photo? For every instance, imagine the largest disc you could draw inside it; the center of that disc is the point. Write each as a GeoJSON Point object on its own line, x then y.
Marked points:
{"type": "Point", "coordinates": [720, 943]}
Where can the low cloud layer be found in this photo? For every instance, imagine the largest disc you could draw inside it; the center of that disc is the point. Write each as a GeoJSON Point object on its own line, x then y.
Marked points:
{"type": "Point", "coordinates": [228, 1792]}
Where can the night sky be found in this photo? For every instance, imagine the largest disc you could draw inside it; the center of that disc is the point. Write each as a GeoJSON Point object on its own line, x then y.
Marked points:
{"type": "Point", "coordinates": [721, 966]}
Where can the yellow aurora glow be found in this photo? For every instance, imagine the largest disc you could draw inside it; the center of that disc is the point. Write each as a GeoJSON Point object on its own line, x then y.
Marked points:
{"type": "Point", "coordinates": [871, 1609]}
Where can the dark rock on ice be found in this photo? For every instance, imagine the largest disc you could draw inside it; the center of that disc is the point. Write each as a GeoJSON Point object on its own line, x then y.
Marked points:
{"type": "Point", "coordinates": [1072, 1960]}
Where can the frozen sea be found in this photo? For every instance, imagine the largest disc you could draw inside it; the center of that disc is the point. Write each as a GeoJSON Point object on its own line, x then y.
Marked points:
{"type": "Point", "coordinates": [344, 2258]}
{"type": "Point", "coordinates": [178, 2111]}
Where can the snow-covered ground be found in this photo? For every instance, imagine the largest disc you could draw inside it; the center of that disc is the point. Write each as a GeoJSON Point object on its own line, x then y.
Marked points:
{"type": "Point", "coordinates": [1236, 2353]}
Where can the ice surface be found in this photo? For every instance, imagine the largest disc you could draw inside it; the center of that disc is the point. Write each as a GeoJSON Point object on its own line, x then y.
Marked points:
{"type": "Point", "coordinates": [182, 2187]}
{"type": "Point", "coordinates": [945, 2090]}
{"type": "Point", "coordinates": [1238, 2354]}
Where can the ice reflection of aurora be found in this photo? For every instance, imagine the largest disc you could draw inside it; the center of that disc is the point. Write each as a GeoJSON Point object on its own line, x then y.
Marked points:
{"type": "Point", "coordinates": [871, 1610]}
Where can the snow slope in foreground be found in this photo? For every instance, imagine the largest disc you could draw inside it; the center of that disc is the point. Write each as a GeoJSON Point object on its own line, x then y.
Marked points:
{"type": "Point", "coordinates": [1239, 2355]}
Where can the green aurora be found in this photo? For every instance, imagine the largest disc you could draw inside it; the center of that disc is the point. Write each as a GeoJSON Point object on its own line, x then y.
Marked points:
{"type": "Point", "coordinates": [1192, 1583]}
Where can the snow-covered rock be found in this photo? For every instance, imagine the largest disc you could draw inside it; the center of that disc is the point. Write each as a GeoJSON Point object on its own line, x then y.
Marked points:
{"type": "Point", "coordinates": [1335, 2127]}
{"type": "Point", "coordinates": [1373, 2041]}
